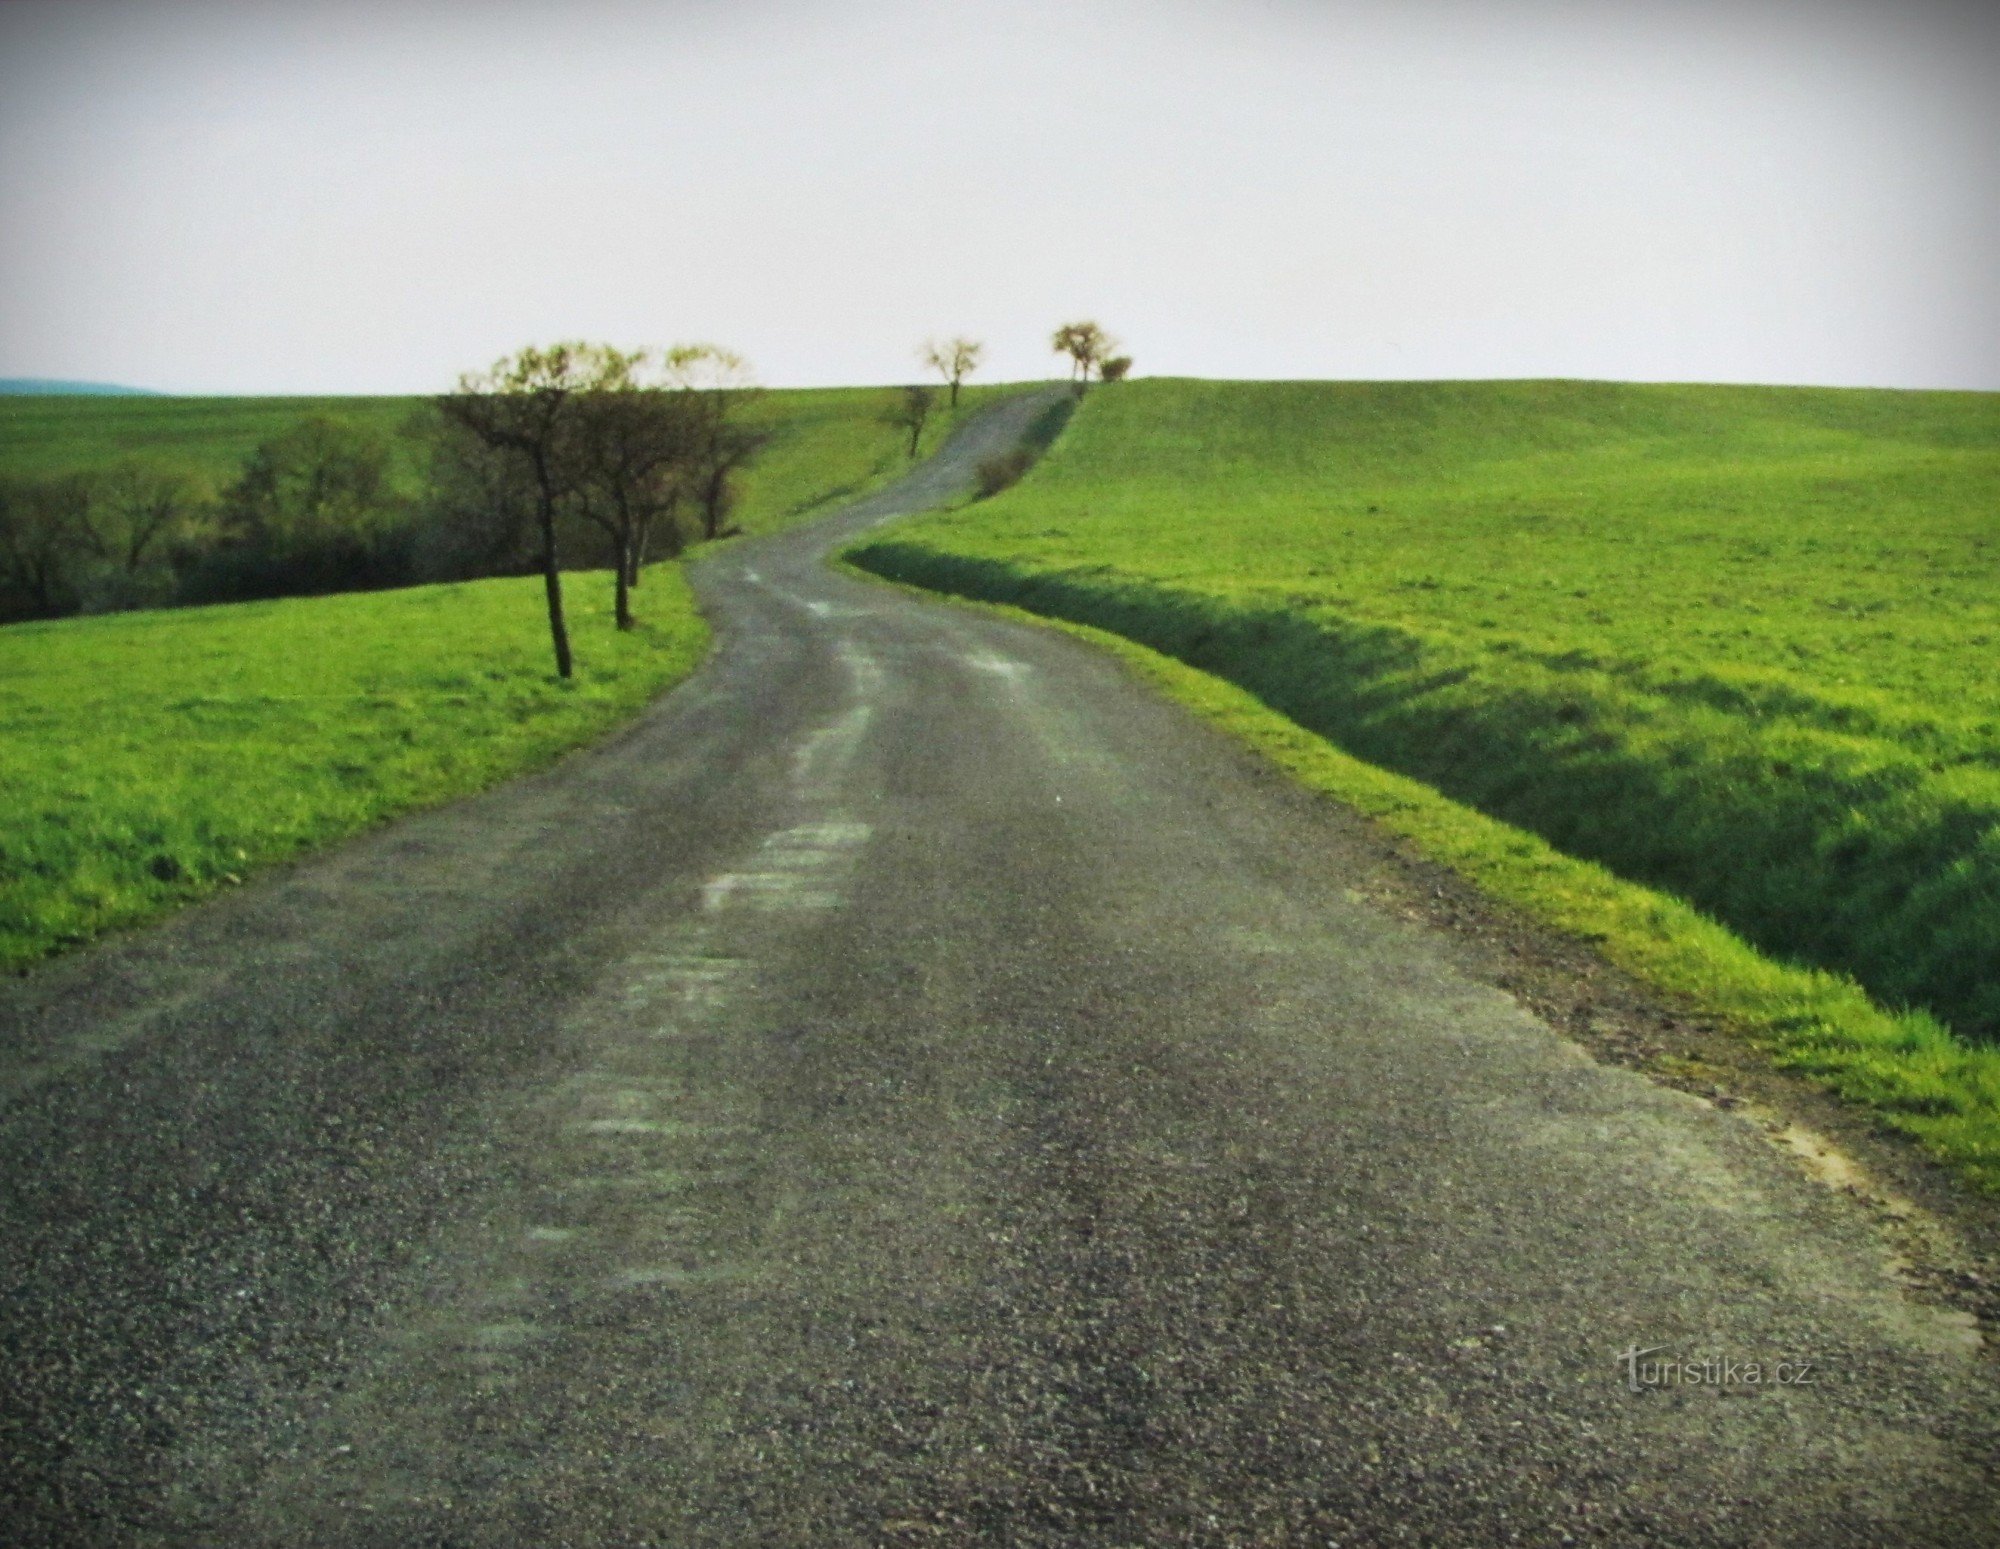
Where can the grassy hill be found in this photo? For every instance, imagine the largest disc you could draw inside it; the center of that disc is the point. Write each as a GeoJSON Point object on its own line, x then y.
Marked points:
{"type": "Point", "coordinates": [827, 443]}
{"type": "Point", "coordinates": [1737, 644]}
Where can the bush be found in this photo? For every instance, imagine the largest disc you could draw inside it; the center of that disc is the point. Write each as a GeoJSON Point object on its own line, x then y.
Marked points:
{"type": "Point", "coordinates": [1004, 471]}
{"type": "Point", "coordinates": [312, 512]}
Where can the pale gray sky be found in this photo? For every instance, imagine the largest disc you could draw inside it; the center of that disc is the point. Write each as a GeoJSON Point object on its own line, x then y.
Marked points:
{"type": "Point", "coordinates": [369, 197]}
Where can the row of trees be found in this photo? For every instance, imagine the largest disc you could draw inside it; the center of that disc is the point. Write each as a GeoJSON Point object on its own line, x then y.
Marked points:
{"type": "Point", "coordinates": [621, 440]}
{"type": "Point", "coordinates": [577, 454]}
{"type": "Point", "coordinates": [590, 455]}
{"type": "Point", "coordinates": [1091, 351]}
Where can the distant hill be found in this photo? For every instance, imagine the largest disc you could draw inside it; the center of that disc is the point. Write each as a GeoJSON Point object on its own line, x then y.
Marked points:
{"type": "Point", "coordinates": [35, 384]}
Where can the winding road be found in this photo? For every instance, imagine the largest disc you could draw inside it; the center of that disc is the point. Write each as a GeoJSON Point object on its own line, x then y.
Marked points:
{"type": "Point", "coordinates": [914, 1087]}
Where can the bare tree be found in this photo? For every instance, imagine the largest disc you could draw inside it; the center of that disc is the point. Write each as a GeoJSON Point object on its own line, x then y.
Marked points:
{"type": "Point", "coordinates": [910, 412]}
{"type": "Point", "coordinates": [1086, 345]}
{"type": "Point", "coordinates": [524, 406]}
{"type": "Point", "coordinates": [719, 385]}
{"type": "Point", "coordinates": [633, 443]}
{"type": "Point", "coordinates": [954, 360]}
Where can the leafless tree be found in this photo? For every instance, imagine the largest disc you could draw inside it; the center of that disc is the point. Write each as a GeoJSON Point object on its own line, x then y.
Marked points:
{"type": "Point", "coordinates": [719, 386]}
{"type": "Point", "coordinates": [1086, 345]}
{"type": "Point", "coordinates": [910, 412]}
{"type": "Point", "coordinates": [524, 406]}
{"type": "Point", "coordinates": [954, 360]}
{"type": "Point", "coordinates": [634, 442]}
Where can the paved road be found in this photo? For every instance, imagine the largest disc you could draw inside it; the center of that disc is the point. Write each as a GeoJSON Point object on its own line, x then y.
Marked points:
{"type": "Point", "coordinates": [913, 1088]}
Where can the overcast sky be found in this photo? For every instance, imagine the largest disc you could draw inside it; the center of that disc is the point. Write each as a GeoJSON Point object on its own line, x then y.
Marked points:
{"type": "Point", "coordinates": [370, 197]}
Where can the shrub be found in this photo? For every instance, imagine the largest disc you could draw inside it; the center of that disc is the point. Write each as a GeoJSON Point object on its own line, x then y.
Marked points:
{"type": "Point", "coordinates": [1004, 470]}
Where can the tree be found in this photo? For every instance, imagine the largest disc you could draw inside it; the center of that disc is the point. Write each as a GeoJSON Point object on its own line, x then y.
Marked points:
{"type": "Point", "coordinates": [311, 511]}
{"type": "Point", "coordinates": [524, 406]}
{"type": "Point", "coordinates": [910, 412]}
{"type": "Point", "coordinates": [954, 360]}
{"type": "Point", "coordinates": [718, 384]}
{"type": "Point", "coordinates": [479, 505]}
{"type": "Point", "coordinates": [139, 507]}
{"type": "Point", "coordinates": [1086, 345]}
{"type": "Point", "coordinates": [1115, 369]}
{"type": "Point", "coordinates": [634, 444]}
{"type": "Point", "coordinates": [43, 523]}
{"type": "Point", "coordinates": [318, 479]}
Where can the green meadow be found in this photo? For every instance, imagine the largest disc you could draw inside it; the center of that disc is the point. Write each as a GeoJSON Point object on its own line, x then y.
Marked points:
{"type": "Point", "coordinates": [829, 445]}
{"type": "Point", "coordinates": [149, 758]}
{"type": "Point", "coordinates": [1734, 644]}
{"type": "Point", "coordinates": [826, 443]}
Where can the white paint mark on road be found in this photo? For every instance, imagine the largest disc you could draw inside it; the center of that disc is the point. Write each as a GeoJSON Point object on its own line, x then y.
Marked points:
{"type": "Point", "coordinates": [998, 666]}
{"type": "Point", "coordinates": [826, 753]}
{"type": "Point", "coordinates": [799, 864]}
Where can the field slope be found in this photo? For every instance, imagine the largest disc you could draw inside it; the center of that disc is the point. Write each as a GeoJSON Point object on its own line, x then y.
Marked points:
{"type": "Point", "coordinates": [1733, 643]}
{"type": "Point", "coordinates": [825, 443]}
{"type": "Point", "coordinates": [149, 758]}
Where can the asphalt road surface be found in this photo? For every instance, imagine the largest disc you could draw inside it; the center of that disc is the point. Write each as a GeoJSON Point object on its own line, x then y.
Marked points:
{"type": "Point", "coordinates": [912, 1088]}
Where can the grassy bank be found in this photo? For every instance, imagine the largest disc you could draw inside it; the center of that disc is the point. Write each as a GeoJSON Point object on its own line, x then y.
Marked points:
{"type": "Point", "coordinates": [830, 445]}
{"type": "Point", "coordinates": [147, 759]}
{"type": "Point", "coordinates": [1731, 644]}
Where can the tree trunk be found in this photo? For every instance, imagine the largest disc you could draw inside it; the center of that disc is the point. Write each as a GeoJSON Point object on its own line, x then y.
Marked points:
{"type": "Point", "coordinates": [954, 392]}
{"type": "Point", "coordinates": [711, 505]}
{"type": "Point", "coordinates": [637, 554]}
{"type": "Point", "coordinates": [622, 610]}
{"type": "Point", "coordinates": [552, 585]}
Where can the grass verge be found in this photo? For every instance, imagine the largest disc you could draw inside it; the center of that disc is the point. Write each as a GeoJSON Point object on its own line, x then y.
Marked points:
{"type": "Point", "coordinates": [148, 759]}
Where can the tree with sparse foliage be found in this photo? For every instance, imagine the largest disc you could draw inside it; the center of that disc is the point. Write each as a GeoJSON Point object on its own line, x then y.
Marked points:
{"type": "Point", "coordinates": [478, 504]}
{"type": "Point", "coordinates": [524, 407]}
{"type": "Point", "coordinates": [1086, 345]}
{"type": "Point", "coordinates": [910, 411]}
{"type": "Point", "coordinates": [719, 385]}
{"type": "Point", "coordinates": [954, 360]}
{"type": "Point", "coordinates": [633, 445]}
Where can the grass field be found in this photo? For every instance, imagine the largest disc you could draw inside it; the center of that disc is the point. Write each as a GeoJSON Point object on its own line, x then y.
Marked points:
{"type": "Point", "coordinates": [1736, 644]}
{"type": "Point", "coordinates": [831, 445]}
{"type": "Point", "coordinates": [827, 443]}
{"type": "Point", "coordinates": [149, 758]}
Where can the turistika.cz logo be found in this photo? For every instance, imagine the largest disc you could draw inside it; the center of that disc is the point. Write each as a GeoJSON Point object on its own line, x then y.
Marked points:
{"type": "Point", "coordinates": [1716, 1371]}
